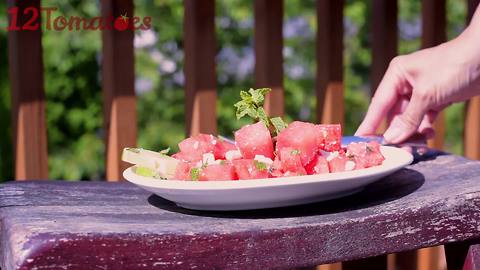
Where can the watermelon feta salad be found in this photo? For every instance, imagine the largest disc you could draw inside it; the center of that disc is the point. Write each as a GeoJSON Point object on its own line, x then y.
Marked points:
{"type": "Point", "coordinates": [266, 149]}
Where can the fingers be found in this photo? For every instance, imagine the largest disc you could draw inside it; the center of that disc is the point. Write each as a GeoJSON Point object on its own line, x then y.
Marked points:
{"type": "Point", "coordinates": [384, 99]}
{"type": "Point", "coordinates": [407, 123]}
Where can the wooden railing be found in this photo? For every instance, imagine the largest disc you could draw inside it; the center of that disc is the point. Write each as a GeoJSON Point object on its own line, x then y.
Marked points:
{"type": "Point", "coordinates": [27, 83]}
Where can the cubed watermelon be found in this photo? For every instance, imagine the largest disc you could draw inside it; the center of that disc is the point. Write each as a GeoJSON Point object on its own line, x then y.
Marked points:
{"type": "Point", "coordinates": [254, 140]}
{"type": "Point", "coordinates": [365, 155]}
{"type": "Point", "coordinates": [337, 162]}
{"type": "Point", "coordinates": [318, 165]}
{"type": "Point", "coordinates": [193, 148]}
{"type": "Point", "coordinates": [182, 172]}
{"type": "Point", "coordinates": [250, 169]}
{"type": "Point", "coordinates": [291, 161]}
{"type": "Point", "coordinates": [301, 136]}
{"type": "Point", "coordinates": [329, 137]}
{"type": "Point", "coordinates": [217, 172]}
{"type": "Point", "coordinates": [222, 147]}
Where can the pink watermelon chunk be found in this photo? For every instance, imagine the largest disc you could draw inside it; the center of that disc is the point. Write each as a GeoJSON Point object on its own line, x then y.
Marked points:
{"type": "Point", "coordinates": [329, 137]}
{"type": "Point", "coordinates": [222, 147]}
{"type": "Point", "coordinates": [318, 165]}
{"type": "Point", "coordinates": [254, 140]}
{"type": "Point", "coordinates": [291, 161]}
{"type": "Point", "coordinates": [218, 172]}
{"type": "Point", "coordinates": [182, 172]}
{"type": "Point", "coordinates": [193, 148]}
{"type": "Point", "coordinates": [301, 136]}
{"type": "Point", "coordinates": [250, 169]}
{"type": "Point", "coordinates": [337, 163]}
{"type": "Point", "coordinates": [365, 154]}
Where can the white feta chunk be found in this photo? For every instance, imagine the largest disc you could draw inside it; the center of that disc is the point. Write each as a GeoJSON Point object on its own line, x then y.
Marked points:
{"type": "Point", "coordinates": [332, 156]}
{"type": "Point", "coordinates": [349, 165]}
{"type": "Point", "coordinates": [264, 159]}
{"type": "Point", "coordinates": [208, 158]}
{"type": "Point", "coordinates": [233, 154]}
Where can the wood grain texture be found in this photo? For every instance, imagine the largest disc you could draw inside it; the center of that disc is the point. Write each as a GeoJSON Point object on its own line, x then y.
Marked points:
{"type": "Point", "coordinates": [329, 84]}
{"type": "Point", "coordinates": [434, 33]}
{"type": "Point", "coordinates": [118, 82]}
{"type": "Point", "coordinates": [200, 76]}
{"type": "Point", "coordinates": [59, 224]}
{"type": "Point", "coordinates": [28, 97]}
{"type": "Point", "coordinates": [472, 111]}
{"type": "Point", "coordinates": [268, 53]}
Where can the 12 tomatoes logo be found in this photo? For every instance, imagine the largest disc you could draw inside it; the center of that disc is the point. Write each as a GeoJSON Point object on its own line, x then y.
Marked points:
{"type": "Point", "coordinates": [30, 16]}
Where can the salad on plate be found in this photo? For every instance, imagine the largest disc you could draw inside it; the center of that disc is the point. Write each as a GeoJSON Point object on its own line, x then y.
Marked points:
{"type": "Point", "coordinates": [266, 149]}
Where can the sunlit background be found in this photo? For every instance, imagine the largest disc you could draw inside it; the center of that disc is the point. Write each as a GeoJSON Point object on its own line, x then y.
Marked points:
{"type": "Point", "coordinates": [73, 87]}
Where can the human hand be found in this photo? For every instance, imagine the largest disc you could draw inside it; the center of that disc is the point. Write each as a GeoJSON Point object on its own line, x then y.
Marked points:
{"type": "Point", "coordinates": [416, 87]}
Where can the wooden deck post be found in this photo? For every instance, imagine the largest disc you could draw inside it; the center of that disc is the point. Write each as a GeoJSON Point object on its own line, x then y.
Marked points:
{"type": "Point", "coordinates": [268, 53]}
{"type": "Point", "coordinates": [434, 33]}
{"type": "Point", "coordinates": [200, 76]}
{"type": "Point", "coordinates": [118, 76]}
{"type": "Point", "coordinates": [472, 110]}
{"type": "Point", "coordinates": [384, 42]}
{"type": "Point", "coordinates": [329, 85]}
{"type": "Point", "coordinates": [28, 97]}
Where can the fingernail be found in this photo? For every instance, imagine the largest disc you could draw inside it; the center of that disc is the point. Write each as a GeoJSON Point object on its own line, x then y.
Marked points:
{"type": "Point", "coordinates": [392, 134]}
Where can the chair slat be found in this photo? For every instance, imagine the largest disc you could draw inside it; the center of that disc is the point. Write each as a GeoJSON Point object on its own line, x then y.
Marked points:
{"type": "Point", "coordinates": [329, 88]}
{"type": "Point", "coordinates": [434, 33]}
{"type": "Point", "coordinates": [118, 77]}
{"type": "Point", "coordinates": [472, 112]}
{"type": "Point", "coordinates": [200, 77]}
{"type": "Point", "coordinates": [28, 97]}
{"type": "Point", "coordinates": [268, 52]}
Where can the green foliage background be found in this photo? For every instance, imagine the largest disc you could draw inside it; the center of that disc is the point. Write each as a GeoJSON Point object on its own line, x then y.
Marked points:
{"type": "Point", "coordinates": [73, 91]}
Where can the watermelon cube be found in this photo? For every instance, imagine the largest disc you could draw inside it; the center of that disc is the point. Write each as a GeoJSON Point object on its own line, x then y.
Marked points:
{"type": "Point", "coordinates": [254, 140]}
{"type": "Point", "coordinates": [182, 171]}
{"type": "Point", "coordinates": [222, 147]}
{"type": "Point", "coordinates": [250, 169]}
{"type": "Point", "coordinates": [365, 155]}
{"type": "Point", "coordinates": [291, 162]}
{"type": "Point", "coordinates": [218, 172]}
{"type": "Point", "coordinates": [329, 137]}
{"type": "Point", "coordinates": [301, 136]}
{"type": "Point", "coordinates": [193, 148]}
{"type": "Point", "coordinates": [318, 165]}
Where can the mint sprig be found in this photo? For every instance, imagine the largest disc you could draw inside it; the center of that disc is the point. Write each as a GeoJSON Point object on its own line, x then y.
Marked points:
{"type": "Point", "coordinates": [251, 104]}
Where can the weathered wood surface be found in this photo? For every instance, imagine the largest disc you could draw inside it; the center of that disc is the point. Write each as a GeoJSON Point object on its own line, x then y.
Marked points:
{"type": "Point", "coordinates": [116, 225]}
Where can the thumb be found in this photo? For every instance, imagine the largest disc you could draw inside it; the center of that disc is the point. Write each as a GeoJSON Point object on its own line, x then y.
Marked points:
{"type": "Point", "coordinates": [407, 123]}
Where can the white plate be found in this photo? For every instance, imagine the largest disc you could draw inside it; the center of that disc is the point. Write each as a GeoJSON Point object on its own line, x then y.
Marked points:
{"type": "Point", "coordinates": [273, 192]}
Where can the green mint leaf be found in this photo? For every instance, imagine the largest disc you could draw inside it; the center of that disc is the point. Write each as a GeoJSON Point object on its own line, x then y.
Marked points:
{"type": "Point", "coordinates": [258, 95]}
{"type": "Point", "coordinates": [260, 165]}
{"type": "Point", "coordinates": [278, 124]}
{"type": "Point", "coordinates": [252, 113]}
{"type": "Point", "coordinates": [262, 116]}
{"type": "Point", "coordinates": [295, 152]}
{"type": "Point", "coordinates": [195, 174]}
{"type": "Point", "coordinates": [244, 95]}
{"type": "Point", "coordinates": [165, 151]}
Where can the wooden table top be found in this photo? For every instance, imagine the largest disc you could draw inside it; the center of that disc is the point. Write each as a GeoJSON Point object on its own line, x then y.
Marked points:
{"type": "Point", "coordinates": [117, 225]}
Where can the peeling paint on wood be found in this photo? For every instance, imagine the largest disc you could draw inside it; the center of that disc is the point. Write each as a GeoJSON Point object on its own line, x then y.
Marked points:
{"type": "Point", "coordinates": [117, 225]}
